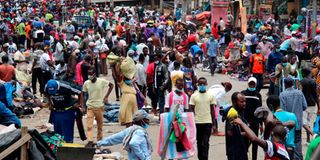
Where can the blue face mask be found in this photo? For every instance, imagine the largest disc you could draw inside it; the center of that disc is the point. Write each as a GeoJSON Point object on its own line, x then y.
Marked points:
{"type": "Point", "coordinates": [277, 50]}
{"type": "Point", "coordinates": [128, 82]}
{"type": "Point", "coordinates": [251, 89]}
{"type": "Point", "coordinates": [145, 126]}
{"type": "Point", "coordinates": [258, 51]}
{"type": "Point", "coordinates": [284, 64]}
{"type": "Point", "coordinates": [202, 88]}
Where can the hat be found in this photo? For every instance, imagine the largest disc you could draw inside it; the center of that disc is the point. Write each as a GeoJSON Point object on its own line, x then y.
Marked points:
{"type": "Point", "coordinates": [76, 37]}
{"type": "Point", "coordinates": [76, 51]}
{"type": "Point", "coordinates": [68, 21]}
{"type": "Point", "coordinates": [252, 79]}
{"type": "Point", "coordinates": [52, 87]}
{"type": "Point", "coordinates": [91, 44]}
{"type": "Point", "coordinates": [140, 115]}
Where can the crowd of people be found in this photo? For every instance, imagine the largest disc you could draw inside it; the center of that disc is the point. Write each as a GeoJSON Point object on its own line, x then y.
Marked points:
{"type": "Point", "coordinates": [156, 56]}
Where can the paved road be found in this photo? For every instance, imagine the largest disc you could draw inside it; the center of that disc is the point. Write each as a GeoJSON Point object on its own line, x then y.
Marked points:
{"type": "Point", "coordinates": [217, 144]}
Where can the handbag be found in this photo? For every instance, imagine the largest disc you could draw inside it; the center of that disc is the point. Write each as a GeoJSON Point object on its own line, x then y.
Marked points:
{"type": "Point", "coordinates": [140, 97]}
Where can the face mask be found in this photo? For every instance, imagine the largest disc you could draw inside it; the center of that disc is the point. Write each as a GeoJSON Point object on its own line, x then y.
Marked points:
{"type": "Point", "coordinates": [156, 62]}
{"type": "Point", "coordinates": [179, 90]}
{"type": "Point", "coordinates": [284, 64]}
{"type": "Point", "coordinates": [145, 126]}
{"type": "Point", "coordinates": [251, 89]}
{"type": "Point", "coordinates": [258, 51]}
{"type": "Point", "coordinates": [128, 82]}
{"type": "Point", "coordinates": [277, 50]}
{"type": "Point", "coordinates": [202, 88]}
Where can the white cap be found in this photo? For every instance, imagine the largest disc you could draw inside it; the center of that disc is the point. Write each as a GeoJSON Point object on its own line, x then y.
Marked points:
{"type": "Point", "coordinates": [252, 79]}
{"type": "Point", "coordinates": [92, 44]}
{"type": "Point", "coordinates": [149, 39]}
{"type": "Point", "coordinates": [68, 21]}
{"type": "Point", "coordinates": [293, 32]}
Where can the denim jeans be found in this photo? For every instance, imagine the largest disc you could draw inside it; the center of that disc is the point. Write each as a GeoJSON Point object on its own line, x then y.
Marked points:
{"type": "Point", "coordinates": [213, 64]}
{"type": "Point", "coordinates": [297, 141]}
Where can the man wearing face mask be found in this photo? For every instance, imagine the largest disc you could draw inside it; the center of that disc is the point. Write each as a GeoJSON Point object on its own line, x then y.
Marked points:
{"type": "Point", "coordinates": [135, 139]}
{"type": "Point", "coordinates": [177, 97]}
{"type": "Point", "coordinates": [202, 103]}
{"type": "Point", "coordinates": [161, 77]}
{"type": "Point", "coordinates": [274, 58]}
{"type": "Point", "coordinates": [95, 87]}
{"type": "Point", "coordinates": [282, 70]}
{"type": "Point", "coordinates": [257, 67]}
{"type": "Point", "coordinates": [253, 101]}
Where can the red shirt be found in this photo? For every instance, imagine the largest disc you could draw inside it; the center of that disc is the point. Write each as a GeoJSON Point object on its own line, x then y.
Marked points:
{"type": "Point", "coordinates": [7, 72]}
{"type": "Point", "coordinates": [150, 73]}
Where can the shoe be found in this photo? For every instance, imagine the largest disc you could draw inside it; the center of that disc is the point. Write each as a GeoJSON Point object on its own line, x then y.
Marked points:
{"type": "Point", "coordinates": [89, 145]}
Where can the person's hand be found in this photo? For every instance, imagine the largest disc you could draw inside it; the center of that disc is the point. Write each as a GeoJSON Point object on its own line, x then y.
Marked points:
{"type": "Point", "coordinates": [261, 129]}
{"type": "Point", "coordinates": [238, 121]}
{"type": "Point", "coordinates": [106, 100]}
{"type": "Point", "coordinates": [214, 129]}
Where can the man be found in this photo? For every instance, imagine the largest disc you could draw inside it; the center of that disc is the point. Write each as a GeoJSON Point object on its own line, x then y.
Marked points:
{"type": "Point", "coordinates": [273, 102]}
{"type": "Point", "coordinates": [161, 78]}
{"type": "Point", "coordinates": [21, 31]}
{"type": "Point", "coordinates": [47, 68]}
{"type": "Point", "coordinates": [212, 51]}
{"type": "Point", "coordinates": [236, 144]}
{"type": "Point", "coordinates": [202, 104]}
{"type": "Point", "coordinates": [253, 101]}
{"type": "Point", "coordinates": [218, 91]}
{"type": "Point", "coordinates": [222, 24]}
{"type": "Point", "coordinates": [150, 85]}
{"type": "Point", "coordinates": [7, 71]}
{"type": "Point", "coordinates": [257, 67]}
{"type": "Point", "coordinates": [309, 90]}
{"type": "Point", "coordinates": [95, 87]}
{"type": "Point", "coordinates": [59, 50]}
{"type": "Point", "coordinates": [70, 30]}
{"type": "Point", "coordinates": [61, 104]}
{"type": "Point", "coordinates": [177, 97]}
{"type": "Point", "coordinates": [175, 74]}
{"type": "Point", "coordinates": [85, 66]}
{"type": "Point", "coordinates": [135, 139]}
{"type": "Point", "coordinates": [274, 58]}
{"type": "Point", "coordinates": [141, 75]}
{"type": "Point", "coordinates": [39, 35]}
{"type": "Point", "coordinates": [169, 34]}
{"type": "Point", "coordinates": [293, 100]}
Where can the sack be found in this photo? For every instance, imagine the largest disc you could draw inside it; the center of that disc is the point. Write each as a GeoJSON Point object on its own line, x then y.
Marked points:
{"type": "Point", "coordinates": [128, 68]}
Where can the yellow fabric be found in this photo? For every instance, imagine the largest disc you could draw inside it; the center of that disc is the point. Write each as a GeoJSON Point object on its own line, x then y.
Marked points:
{"type": "Point", "coordinates": [202, 110]}
{"type": "Point", "coordinates": [75, 145]}
{"type": "Point", "coordinates": [128, 68]}
{"type": "Point", "coordinates": [96, 91]}
{"type": "Point", "coordinates": [232, 114]}
{"type": "Point", "coordinates": [128, 103]}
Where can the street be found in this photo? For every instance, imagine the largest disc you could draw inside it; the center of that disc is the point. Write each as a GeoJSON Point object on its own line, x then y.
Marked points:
{"type": "Point", "coordinates": [217, 144]}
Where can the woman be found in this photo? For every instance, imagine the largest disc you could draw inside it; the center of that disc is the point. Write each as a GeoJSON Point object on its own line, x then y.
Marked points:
{"type": "Point", "coordinates": [128, 100]}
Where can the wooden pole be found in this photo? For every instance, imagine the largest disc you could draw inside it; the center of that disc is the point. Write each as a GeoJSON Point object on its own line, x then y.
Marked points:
{"type": "Point", "coordinates": [24, 147]}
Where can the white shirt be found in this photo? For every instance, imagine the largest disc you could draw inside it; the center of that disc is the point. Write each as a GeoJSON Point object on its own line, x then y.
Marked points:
{"type": "Point", "coordinates": [100, 22]}
{"type": "Point", "coordinates": [248, 39]}
{"type": "Point", "coordinates": [176, 99]}
{"type": "Point", "coordinates": [222, 24]}
{"type": "Point", "coordinates": [218, 91]}
{"type": "Point", "coordinates": [44, 61]}
{"type": "Point", "coordinates": [140, 48]}
{"type": "Point", "coordinates": [141, 75]}
{"type": "Point", "coordinates": [169, 31]}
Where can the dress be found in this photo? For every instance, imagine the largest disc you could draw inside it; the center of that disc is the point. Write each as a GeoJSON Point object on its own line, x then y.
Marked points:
{"type": "Point", "coordinates": [128, 103]}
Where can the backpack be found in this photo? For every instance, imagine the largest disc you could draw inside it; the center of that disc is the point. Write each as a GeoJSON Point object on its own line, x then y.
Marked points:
{"type": "Point", "coordinates": [184, 95]}
{"type": "Point", "coordinates": [79, 78]}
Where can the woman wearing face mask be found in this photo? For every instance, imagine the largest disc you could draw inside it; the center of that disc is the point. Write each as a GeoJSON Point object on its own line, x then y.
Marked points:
{"type": "Point", "coordinates": [134, 139]}
{"type": "Point", "coordinates": [128, 100]}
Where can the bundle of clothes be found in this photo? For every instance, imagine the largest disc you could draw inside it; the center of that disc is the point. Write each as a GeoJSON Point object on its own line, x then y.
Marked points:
{"type": "Point", "coordinates": [111, 113]}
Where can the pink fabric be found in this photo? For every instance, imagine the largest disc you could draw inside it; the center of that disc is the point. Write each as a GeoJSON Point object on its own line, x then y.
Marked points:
{"type": "Point", "coordinates": [79, 78]}
{"type": "Point", "coordinates": [165, 120]}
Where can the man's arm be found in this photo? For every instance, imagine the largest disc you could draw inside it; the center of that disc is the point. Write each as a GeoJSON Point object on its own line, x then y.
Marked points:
{"type": "Point", "coordinates": [108, 92]}
{"type": "Point", "coordinates": [113, 139]}
{"type": "Point", "coordinates": [250, 134]}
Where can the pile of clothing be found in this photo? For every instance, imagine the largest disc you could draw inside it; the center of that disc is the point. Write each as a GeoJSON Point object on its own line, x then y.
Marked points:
{"type": "Point", "coordinates": [111, 113]}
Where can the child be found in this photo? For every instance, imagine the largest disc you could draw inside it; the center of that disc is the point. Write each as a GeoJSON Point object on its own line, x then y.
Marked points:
{"type": "Point", "coordinates": [275, 149]}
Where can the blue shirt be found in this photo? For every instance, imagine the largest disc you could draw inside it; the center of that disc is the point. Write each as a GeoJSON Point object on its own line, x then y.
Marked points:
{"type": "Point", "coordinates": [7, 117]}
{"type": "Point", "coordinates": [285, 45]}
{"type": "Point", "coordinates": [212, 48]}
{"type": "Point", "coordinates": [293, 100]}
{"type": "Point", "coordinates": [273, 59]}
{"type": "Point", "coordinates": [138, 143]}
{"type": "Point", "coordinates": [284, 117]}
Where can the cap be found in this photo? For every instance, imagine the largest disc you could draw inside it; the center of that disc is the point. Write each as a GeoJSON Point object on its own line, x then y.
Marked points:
{"type": "Point", "coordinates": [52, 87]}
{"type": "Point", "coordinates": [293, 32]}
{"type": "Point", "coordinates": [227, 85]}
{"type": "Point", "coordinates": [140, 115]}
{"type": "Point", "coordinates": [76, 37]}
{"type": "Point", "coordinates": [68, 21]}
{"type": "Point", "coordinates": [149, 39]}
{"type": "Point", "coordinates": [252, 79]}
{"type": "Point", "coordinates": [92, 44]}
